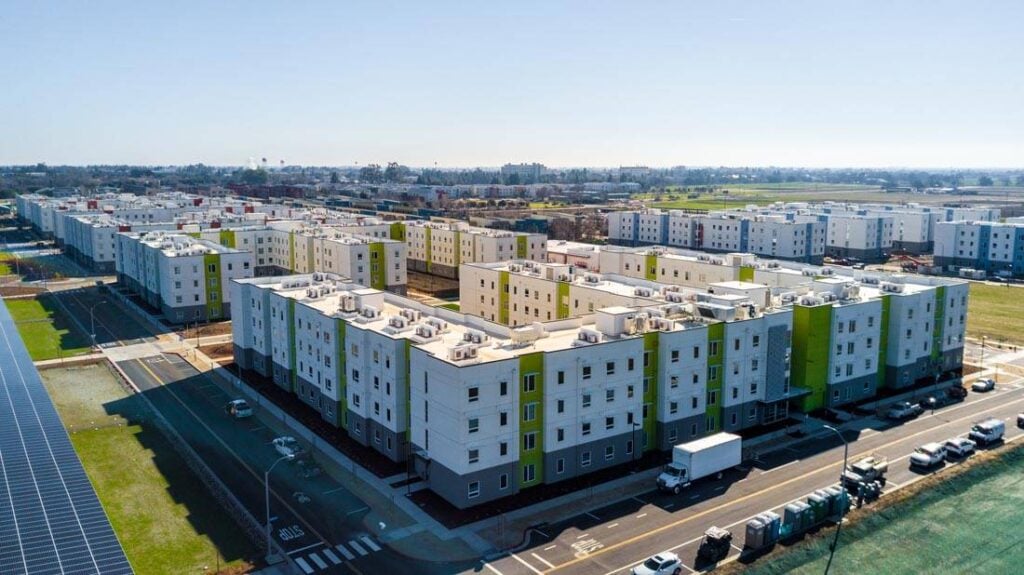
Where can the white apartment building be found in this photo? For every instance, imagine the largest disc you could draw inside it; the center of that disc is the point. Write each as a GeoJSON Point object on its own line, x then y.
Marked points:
{"type": "Point", "coordinates": [577, 254]}
{"type": "Point", "coordinates": [184, 277]}
{"type": "Point", "coordinates": [996, 248]}
{"type": "Point", "coordinates": [439, 248]}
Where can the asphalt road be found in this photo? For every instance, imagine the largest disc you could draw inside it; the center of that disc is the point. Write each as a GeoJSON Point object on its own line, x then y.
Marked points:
{"type": "Point", "coordinates": [610, 540]}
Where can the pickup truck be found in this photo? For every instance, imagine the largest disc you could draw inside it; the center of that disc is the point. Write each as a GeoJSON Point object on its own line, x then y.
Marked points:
{"type": "Point", "coordinates": [903, 410]}
{"type": "Point", "coordinates": [928, 455]}
{"type": "Point", "coordinates": [866, 470]}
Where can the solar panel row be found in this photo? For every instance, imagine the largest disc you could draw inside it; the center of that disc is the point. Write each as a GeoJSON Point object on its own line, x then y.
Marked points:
{"type": "Point", "coordinates": [50, 518]}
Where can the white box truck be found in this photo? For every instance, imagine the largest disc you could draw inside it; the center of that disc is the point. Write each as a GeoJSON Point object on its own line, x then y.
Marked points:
{"type": "Point", "coordinates": [700, 458]}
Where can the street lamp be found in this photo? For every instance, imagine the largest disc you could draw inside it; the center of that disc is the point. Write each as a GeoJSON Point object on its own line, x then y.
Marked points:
{"type": "Point", "coordinates": [92, 321]}
{"type": "Point", "coordinates": [266, 493]}
{"type": "Point", "coordinates": [633, 455]}
{"type": "Point", "coordinates": [842, 508]}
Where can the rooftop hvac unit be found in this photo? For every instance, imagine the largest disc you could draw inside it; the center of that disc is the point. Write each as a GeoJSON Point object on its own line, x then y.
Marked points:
{"type": "Point", "coordinates": [347, 302]}
{"type": "Point", "coordinates": [410, 314]}
{"type": "Point", "coordinates": [703, 258]}
{"type": "Point", "coordinates": [773, 265]}
{"type": "Point", "coordinates": [716, 261]}
{"type": "Point", "coordinates": [311, 293]}
{"type": "Point", "coordinates": [869, 280]}
{"type": "Point", "coordinates": [369, 312]}
{"type": "Point", "coordinates": [811, 300]}
{"type": "Point", "coordinates": [809, 272]}
{"type": "Point", "coordinates": [592, 279]}
{"type": "Point", "coordinates": [827, 272]}
{"type": "Point", "coordinates": [474, 336]}
{"type": "Point", "coordinates": [438, 323]}
{"type": "Point", "coordinates": [674, 297]}
{"type": "Point", "coordinates": [318, 277]}
{"type": "Point", "coordinates": [564, 277]}
{"type": "Point", "coordinates": [589, 336]}
{"type": "Point", "coordinates": [397, 322]}
{"type": "Point", "coordinates": [892, 288]}
{"type": "Point", "coordinates": [642, 292]}
{"type": "Point", "coordinates": [457, 353]}
{"type": "Point", "coordinates": [425, 331]}
{"type": "Point", "coordinates": [514, 268]}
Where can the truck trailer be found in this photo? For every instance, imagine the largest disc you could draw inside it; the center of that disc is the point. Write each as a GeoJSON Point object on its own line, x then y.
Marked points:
{"type": "Point", "coordinates": [700, 458]}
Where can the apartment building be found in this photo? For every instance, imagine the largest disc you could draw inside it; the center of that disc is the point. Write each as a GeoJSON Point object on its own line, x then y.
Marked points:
{"type": "Point", "coordinates": [184, 277]}
{"type": "Point", "coordinates": [578, 255]}
{"type": "Point", "coordinates": [485, 410]}
{"type": "Point", "coordinates": [774, 236]}
{"type": "Point", "coordinates": [993, 247]}
{"type": "Point", "coordinates": [439, 248]}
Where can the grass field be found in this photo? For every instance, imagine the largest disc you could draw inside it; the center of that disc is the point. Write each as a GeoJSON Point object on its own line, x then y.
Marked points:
{"type": "Point", "coordinates": [46, 331]}
{"type": "Point", "coordinates": [6, 267]}
{"type": "Point", "coordinates": [969, 523]}
{"type": "Point", "coordinates": [993, 312]}
{"type": "Point", "coordinates": [452, 306]}
{"type": "Point", "coordinates": [166, 522]}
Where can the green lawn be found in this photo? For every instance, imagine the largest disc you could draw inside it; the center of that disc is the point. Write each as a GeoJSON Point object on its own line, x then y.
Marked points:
{"type": "Point", "coordinates": [993, 311]}
{"type": "Point", "coordinates": [6, 268]}
{"type": "Point", "coordinates": [452, 306]}
{"type": "Point", "coordinates": [969, 523]}
{"type": "Point", "coordinates": [166, 521]}
{"type": "Point", "coordinates": [46, 331]}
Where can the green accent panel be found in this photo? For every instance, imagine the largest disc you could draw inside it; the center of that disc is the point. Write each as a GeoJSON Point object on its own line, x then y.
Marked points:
{"type": "Point", "coordinates": [291, 251]}
{"type": "Point", "coordinates": [746, 274]}
{"type": "Point", "coordinates": [378, 266]}
{"type": "Point", "coordinates": [227, 238]}
{"type": "Point", "coordinates": [428, 245]}
{"type": "Point", "coordinates": [291, 342]}
{"type": "Point", "coordinates": [196, 235]}
{"type": "Point", "coordinates": [883, 341]}
{"type": "Point", "coordinates": [812, 334]}
{"type": "Point", "coordinates": [458, 249]}
{"type": "Point", "coordinates": [651, 339]}
{"type": "Point", "coordinates": [532, 363]}
{"type": "Point", "coordinates": [341, 372]}
{"type": "Point", "coordinates": [940, 322]}
{"type": "Point", "coordinates": [211, 274]}
{"type": "Point", "coordinates": [651, 266]}
{"type": "Point", "coordinates": [716, 334]}
{"type": "Point", "coordinates": [397, 231]}
{"type": "Point", "coordinates": [562, 292]}
{"type": "Point", "coordinates": [521, 247]}
{"type": "Point", "coordinates": [503, 297]}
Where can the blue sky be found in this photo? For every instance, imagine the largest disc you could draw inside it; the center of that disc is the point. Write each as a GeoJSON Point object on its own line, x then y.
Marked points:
{"type": "Point", "coordinates": [815, 83]}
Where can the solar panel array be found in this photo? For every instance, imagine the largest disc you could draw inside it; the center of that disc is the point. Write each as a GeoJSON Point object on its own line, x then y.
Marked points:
{"type": "Point", "coordinates": [50, 518]}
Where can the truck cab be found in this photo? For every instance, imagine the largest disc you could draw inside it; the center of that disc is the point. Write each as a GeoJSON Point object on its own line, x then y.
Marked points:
{"type": "Point", "coordinates": [988, 431]}
{"type": "Point", "coordinates": [674, 478]}
{"type": "Point", "coordinates": [871, 468]}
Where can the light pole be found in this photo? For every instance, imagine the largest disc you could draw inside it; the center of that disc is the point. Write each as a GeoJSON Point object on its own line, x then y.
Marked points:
{"type": "Point", "coordinates": [842, 508]}
{"type": "Point", "coordinates": [635, 425]}
{"type": "Point", "coordinates": [266, 493]}
{"type": "Point", "coordinates": [982, 355]}
{"type": "Point", "coordinates": [92, 321]}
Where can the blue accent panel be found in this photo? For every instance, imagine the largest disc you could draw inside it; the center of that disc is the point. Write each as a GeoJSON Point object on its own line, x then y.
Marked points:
{"type": "Point", "coordinates": [744, 234]}
{"type": "Point", "coordinates": [636, 228]}
{"type": "Point", "coordinates": [809, 243]}
{"type": "Point", "coordinates": [664, 229]}
{"type": "Point", "coordinates": [984, 237]}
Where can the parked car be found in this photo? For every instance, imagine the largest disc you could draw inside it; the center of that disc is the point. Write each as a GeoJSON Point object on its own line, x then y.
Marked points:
{"type": "Point", "coordinates": [858, 266]}
{"type": "Point", "coordinates": [665, 563]}
{"type": "Point", "coordinates": [987, 432]}
{"type": "Point", "coordinates": [903, 410]}
{"type": "Point", "coordinates": [958, 447]}
{"type": "Point", "coordinates": [928, 455]}
{"type": "Point", "coordinates": [956, 393]}
{"type": "Point", "coordinates": [1020, 420]}
{"type": "Point", "coordinates": [984, 384]}
{"type": "Point", "coordinates": [287, 446]}
{"type": "Point", "coordinates": [238, 408]}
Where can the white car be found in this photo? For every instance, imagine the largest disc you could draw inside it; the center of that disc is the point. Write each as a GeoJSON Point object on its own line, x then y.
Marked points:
{"type": "Point", "coordinates": [985, 384]}
{"type": "Point", "coordinates": [665, 563]}
{"type": "Point", "coordinates": [287, 446]}
{"type": "Point", "coordinates": [928, 455]}
{"type": "Point", "coordinates": [238, 408]}
{"type": "Point", "coordinates": [959, 447]}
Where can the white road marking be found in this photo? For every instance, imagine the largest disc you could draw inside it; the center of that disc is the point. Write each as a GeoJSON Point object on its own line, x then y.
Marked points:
{"type": "Point", "coordinates": [641, 516]}
{"type": "Point", "coordinates": [369, 543]}
{"type": "Point", "coordinates": [330, 555]}
{"type": "Point", "coordinates": [493, 570]}
{"type": "Point", "coordinates": [582, 536]}
{"type": "Point", "coordinates": [301, 549]}
{"type": "Point", "coordinates": [336, 489]}
{"type": "Point", "coordinates": [344, 551]}
{"type": "Point", "coordinates": [359, 548]}
{"type": "Point", "coordinates": [528, 566]}
{"type": "Point", "coordinates": [305, 566]}
{"type": "Point", "coordinates": [319, 562]}
{"type": "Point", "coordinates": [543, 560]}
{"type": "Point", "coordinates": [780, 467]}
{"type": "Point", "coordinates": [550, 547]}
{"type": "Point", "coordinates": [357, 510]}
{"type": "Point", "coordinates": [612, 525]}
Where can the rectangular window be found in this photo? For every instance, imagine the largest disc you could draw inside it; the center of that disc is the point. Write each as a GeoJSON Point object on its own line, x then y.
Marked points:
{"type": "Point", "coordinates": [586, 400]}
{"type": "Point", "coordinates": [503, 481]}
{"type": "Point", "coordinates": [586, 372]}
{"type": "Point", "coordinates": [503, 418]}
{"type": "Point", "coordinates": [585, 459]}
{"type": "Point", "coordinates": [609, 422]}
{"type": "Point", "coordinates": [609, 452]}
{"type": "Point", "coordinates": [529, 383]}
{"type": "Point", "coordinates": [530, 441]}
{"type": "Point", "coordinates": [473, 393]}
{"type": "Point", "coordinates": [673, 407]}
{"type": "Point", "coordinates": [503, 448]}
{"type": "Point", "coordinates": [673, 381]}
{"type": "Point", "coordinates": [474, 455]}
{"type": "Point", "coordinates": [714, 349]}
{"type": "Point", "coordinates": [474, 425]}
{"type": "Point", "coordinates": [530, 411]}
{"type": "Point", "coordinates": [609, 395]}
{"type": "Point", "coordinates": [561, 377]}
{"type": "Point", "coordinates": [560, 466]}
{"type": "Point", "coordinates": [560, 434]}
{"type": "Point", "coordinates": [756, 341]}
{"type": "Point", "coordinates": [647, 359]}
{"type": "Point", "coordinates": [503, 388]}
{"type": "Point", "coordinates": [610, 368]}
{"type": "Point", "coordinates": [585, 429]}
{"type": "Point", "coordinates": [474, 489]}
{"type": "Point", "coordinates": [674, 356]}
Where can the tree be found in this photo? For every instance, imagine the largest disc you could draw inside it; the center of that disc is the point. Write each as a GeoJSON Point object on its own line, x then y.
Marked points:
{"type": "Point", "coordinates": [334, 178]}
{"type": "Point", "coordinates": [393, 173]}
{"type": "Point", "coordinates": [257, 177]}
{"type": "Point", "coordinates": [371, 174]}
{"type": "Point", "coordinates": [985, 181]}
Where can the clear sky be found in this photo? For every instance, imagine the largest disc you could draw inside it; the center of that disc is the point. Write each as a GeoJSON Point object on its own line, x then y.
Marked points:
{"type": "Point", "coordinates": [815, 83]}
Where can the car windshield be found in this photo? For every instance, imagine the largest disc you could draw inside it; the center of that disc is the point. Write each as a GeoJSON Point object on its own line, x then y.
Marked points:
{"type": "Point", "coordinates": [653, 564]}
{"type": "Point", "coordinates": [673, 471]}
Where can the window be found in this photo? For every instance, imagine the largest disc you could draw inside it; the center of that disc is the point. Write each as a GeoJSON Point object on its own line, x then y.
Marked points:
{"type": "Point", "coordinates": [586, 372]}
{"type": "Point", "coordinates": [585, 429]}
{"type": "Point", "coordinates": [853, 326]}
{"type": "Point", "coordinates": [474, 455]}
{"type": "Point", "coordinates": [561, 377]}
{"type": "Point", "coordinates": [530, 441]}
{"type": "Point", "coordinates": [647, 359]}
{"type": "Point", "coordinates": [355, 375]}
{"type": "Point", "coordinates": [735, 392]}
{"type": "Point", "coordinates": [503, 448]}
{"type": "Point", "coordinates": [560, 434]}
{"type": "Point", "coordinates": [426, 383]}
{"type": "Point", "coordinates": [756, 342]}
{"type": "Point", "coordinates": [849, 347]}
{"type": "Point", "coordinates": [503, 481]}
{"type": "Point", "coordinates": [586, 400]}
{"type": "Point", "coordinates": [673, 381]}
{"type": "Point", "coordinates": [529, 383]}
{"type": "Point", "coordinates": [714, 349]}
{"type": "Point", "coordinates": [609, 395]}
{"type": "Point", "coordinates": [753, 365]}
{"type": "Point", "coordinates": [530, 411]}
{"type": "Point", "coordinates": [355, 399]}
{"type": "Point", "coordinates": [585, 459]}
{"type": "Point", "coordinates": [629, 391]}
{"type": "Point", "coordinates": [674, 356]}
{"type": "Point", "coordinates": [609, 422]}
{"type": "Point", "coordinates": [376, 408]}
{"type": "Point", "coordinates": [753, 388]}
{"type": "Point", "coordinates": [610, 368]}
{"type": "Point", "coordinates": [630, 364]}
{"type": "Point", "coordinates": [503, 418]}
{"type": "Point", "coordinates": [474, 489]}
{"type": "Point", "coordinates": [871, 321]}
{"type": "Point", "coordinates": [712, 397]}
{"type": "Point", "coordinates": [503, 388]}
{"type": "Point", "coordinates": [673, 407]}
{"type": "Point", "coordinates": [474, 425]}
{"type": "Point", "coordinates": [609, 452]}
{"type": "Point", "coordinates": [560, 466]}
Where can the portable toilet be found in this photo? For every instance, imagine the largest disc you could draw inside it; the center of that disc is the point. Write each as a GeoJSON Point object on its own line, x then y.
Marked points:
{"type": "Point", "coordinates": [756, 535]}
{"type": "Point", "coordinates": [773, 523]}
{"type": "Point", "coordinates": [819, 508]}
{"type": "Point", "coordinates": [795, 516]}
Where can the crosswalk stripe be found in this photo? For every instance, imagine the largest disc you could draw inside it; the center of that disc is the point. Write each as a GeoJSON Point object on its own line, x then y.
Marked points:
{"type": "Point", "coordinates": [369, 543]}
{"type": "Point", "coordinates": [330, 555]}
{"type": "Point", "coordinates": [344, 551]}
{"type": "Point", "coordinates": [359, 549]}
{"type": "Point", "coordinates": [319, 562]}
{"type": "Point", "coordinates": [305, 566]}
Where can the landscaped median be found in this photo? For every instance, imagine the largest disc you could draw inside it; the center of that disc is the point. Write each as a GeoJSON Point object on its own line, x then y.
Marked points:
{"type": "Point", "coordinates": [963, 520]}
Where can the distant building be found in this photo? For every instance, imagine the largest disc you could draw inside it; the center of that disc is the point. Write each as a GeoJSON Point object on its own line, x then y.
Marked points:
{"type": "Point", "coordinates": [527, 173]}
